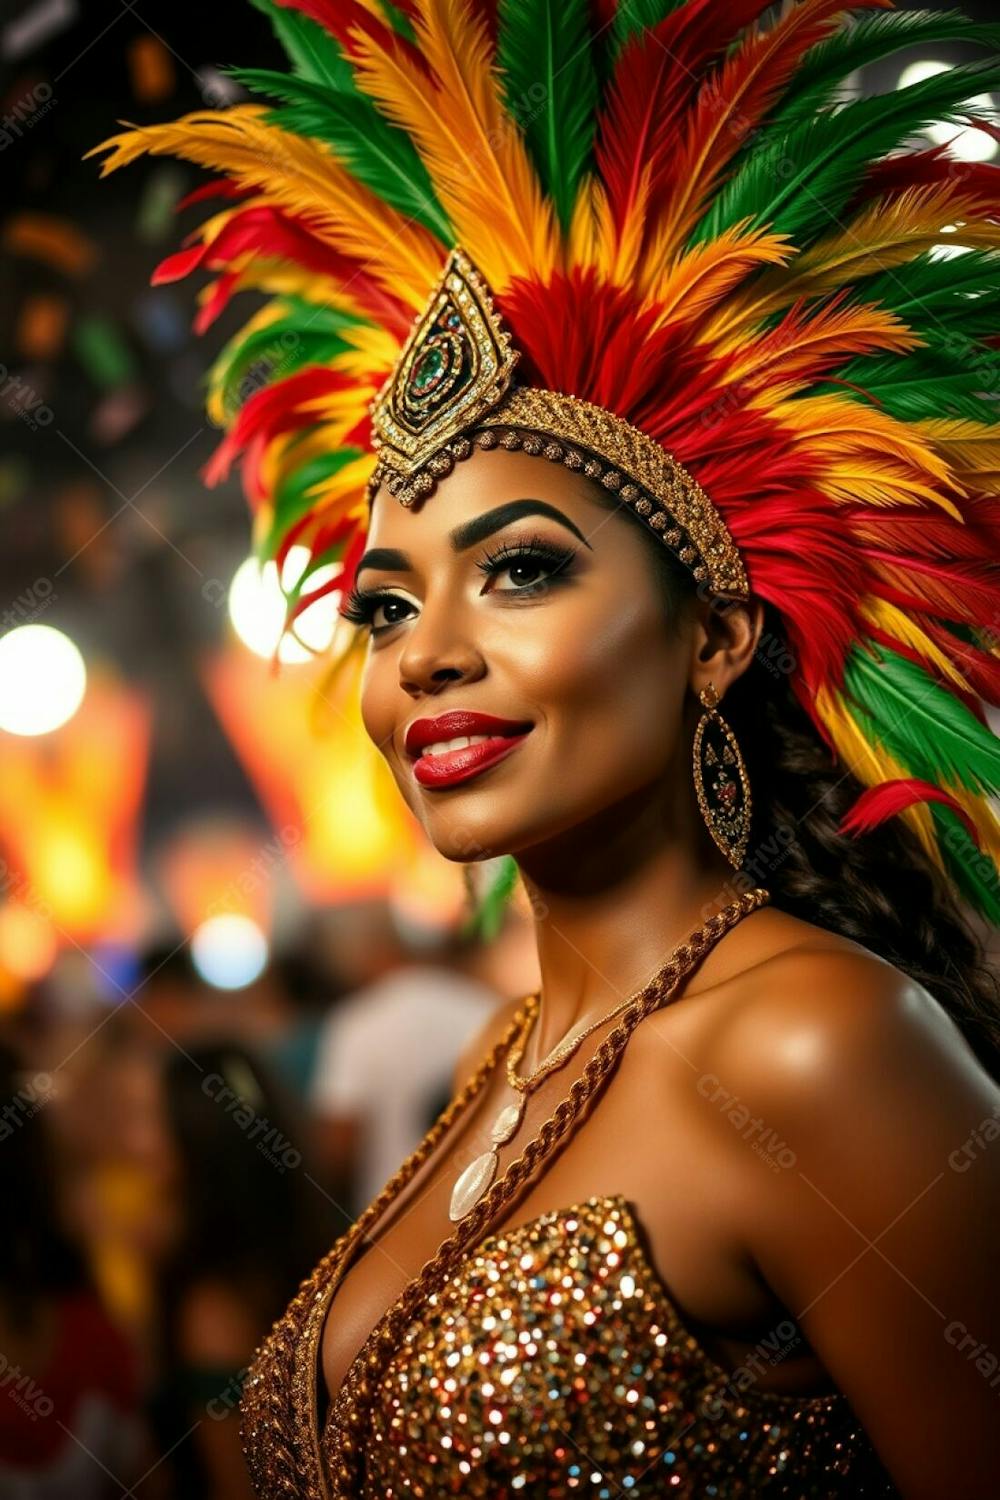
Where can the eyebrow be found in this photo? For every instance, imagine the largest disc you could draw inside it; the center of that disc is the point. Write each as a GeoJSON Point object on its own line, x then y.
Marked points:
{"type": "Point", "coordinates": [471, 532]}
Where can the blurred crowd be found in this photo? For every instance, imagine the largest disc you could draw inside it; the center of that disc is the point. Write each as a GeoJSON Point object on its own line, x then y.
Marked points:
{"type": "Point", "coordinates": [171, 1167]}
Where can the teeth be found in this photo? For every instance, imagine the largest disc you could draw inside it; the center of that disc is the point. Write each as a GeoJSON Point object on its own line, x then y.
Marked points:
{"type": "Point", "coordinates": [441, 747]}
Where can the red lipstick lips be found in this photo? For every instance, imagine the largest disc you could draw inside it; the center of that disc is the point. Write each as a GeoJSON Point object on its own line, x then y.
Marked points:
{"type": "Point", "coordinates": [447, 767]}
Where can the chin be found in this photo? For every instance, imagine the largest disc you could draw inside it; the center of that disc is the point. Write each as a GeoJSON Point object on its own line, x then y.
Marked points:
{"type": "Point", "coordinates": [465, 839]}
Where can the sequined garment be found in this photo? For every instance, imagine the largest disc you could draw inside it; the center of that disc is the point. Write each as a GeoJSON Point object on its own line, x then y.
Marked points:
{"type": "Point", "coordinates": [551, 1364]}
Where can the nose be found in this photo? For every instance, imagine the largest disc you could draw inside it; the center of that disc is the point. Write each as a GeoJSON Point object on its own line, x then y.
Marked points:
{"type": "Point", "coordinates": [436, 654]}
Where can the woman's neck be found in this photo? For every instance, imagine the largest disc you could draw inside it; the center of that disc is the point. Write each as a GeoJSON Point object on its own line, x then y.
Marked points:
{"type": "Point", "coordinates": [609, 905]}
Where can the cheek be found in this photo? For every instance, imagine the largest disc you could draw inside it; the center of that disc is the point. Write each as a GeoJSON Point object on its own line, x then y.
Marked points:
{"type": "Point", "coordinates": [610, 680]}
{"type": "Point", "coordinates": [382, 710]}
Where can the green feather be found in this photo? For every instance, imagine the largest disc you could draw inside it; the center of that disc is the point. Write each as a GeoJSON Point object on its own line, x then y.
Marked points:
{"type": "Point", "coordinates": [951, 377]}
{"type": "Point", "coordinates": [798, 181]}
{"type": "Point", "coordinates": [398, 20]}
{"type": "Point", "coordinates": [314, 53]}
{"type": "Point", "coordinates": [635, 16]}
{"type": "Point", "coordinates": [550, 87]}
{"type": "Point", "coordinates": [972, 870]}
{"type": "Point", "coordinates": [867, 40]}
{"type": "Point", "coordinates": [373, 150]}
{"type": "Point", "coordinates": [923, 726]}
{"type": "Point", "coordinates": [304, 335]}
{"type": "Point", "coordinates": [487, 917]}
{"type": "Point", "coordinates": [955, 292]}
{"type": "Point", "coordinates": [292, 500]}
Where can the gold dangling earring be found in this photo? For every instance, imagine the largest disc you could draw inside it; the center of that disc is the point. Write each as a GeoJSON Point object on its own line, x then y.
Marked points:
{"type": "Point", "coordinates": [720, 780]}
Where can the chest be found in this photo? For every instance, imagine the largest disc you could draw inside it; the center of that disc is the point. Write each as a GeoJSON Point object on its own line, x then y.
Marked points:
{"type": "Point", "coordinates": [648, 1140]}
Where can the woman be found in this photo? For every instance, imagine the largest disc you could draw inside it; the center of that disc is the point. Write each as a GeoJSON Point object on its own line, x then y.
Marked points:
{"type": "Point", "coordinates": [714, 1217]}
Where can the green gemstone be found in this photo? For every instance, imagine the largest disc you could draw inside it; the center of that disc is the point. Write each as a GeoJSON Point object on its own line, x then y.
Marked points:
{"type": "Point", "coordinates": [428, 367]}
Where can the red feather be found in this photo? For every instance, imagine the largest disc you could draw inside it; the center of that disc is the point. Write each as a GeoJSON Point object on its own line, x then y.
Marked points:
{"type": "Point", "coordinates": [656, 76]}
{"type": "Point", "coordinates": [217, 301]}
{"type": "Point", "coordinates": [343, 17]}
{"type": "Point", "coordinates": [274, 409]}
{"type": "Point", "coordinates": [879, 803]}
{"type": "Point", "coordinates": [220, 187]}
{"type": "Point", "coordinates": [276, 235]}
{"type": "Point", "coordinates": [979, 666]}
{"type": "Point", "coordinates": [907, 169]}
{"type": "Point", "coordinates": [925, 533]}
{"type": "Point", "coordinates": [966, 592]}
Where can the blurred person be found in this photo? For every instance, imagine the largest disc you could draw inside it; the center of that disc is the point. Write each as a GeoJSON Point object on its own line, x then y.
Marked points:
{"type": "Point", "coordinates": [250, 1220]}
{"type": "Point", "coordinates": [386, 1058]}
{"type": "Point", "coordinates": [70, 1424]}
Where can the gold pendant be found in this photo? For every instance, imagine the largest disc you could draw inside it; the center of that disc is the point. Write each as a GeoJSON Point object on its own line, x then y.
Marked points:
{"type": "Point", "coordinates": [478, 1175]}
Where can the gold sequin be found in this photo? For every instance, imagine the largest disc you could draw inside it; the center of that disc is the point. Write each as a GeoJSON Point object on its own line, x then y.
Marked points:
{"type": "Point", "coordinates": [552, 1364]}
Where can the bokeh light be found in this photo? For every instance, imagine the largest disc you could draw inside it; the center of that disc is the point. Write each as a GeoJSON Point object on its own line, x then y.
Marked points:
{"type": "Point", "coordinates": [257, 608]}
{"type": "Point", "coordinates": [964, 143]}
{"type": "Point", "coordinates": [229, 951]}
{"type": "Point", "coordinates": [42, 679]}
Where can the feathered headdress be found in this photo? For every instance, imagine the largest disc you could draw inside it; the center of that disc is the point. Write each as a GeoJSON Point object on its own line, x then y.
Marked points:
{"type": "Point", "coordinates": [656, 238]}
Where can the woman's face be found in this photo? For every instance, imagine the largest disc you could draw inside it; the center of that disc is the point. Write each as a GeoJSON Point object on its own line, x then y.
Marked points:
{"type": "Point", "coordinates": [572, 638]}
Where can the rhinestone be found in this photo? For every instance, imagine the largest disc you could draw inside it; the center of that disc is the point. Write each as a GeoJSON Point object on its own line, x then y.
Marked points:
{"type": "Point", "coordinates": [612, 480]}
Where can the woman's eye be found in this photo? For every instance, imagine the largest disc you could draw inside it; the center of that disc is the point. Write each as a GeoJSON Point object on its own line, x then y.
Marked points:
{"type": "Point", "coordinates": [389, 605]}
{"type": "Point", "coordinates": [523, 573]}
{"type": "Point", "coordinates": [529, 564]}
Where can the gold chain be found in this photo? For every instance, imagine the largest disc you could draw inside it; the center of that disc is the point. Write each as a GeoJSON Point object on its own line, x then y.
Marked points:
{"type": "Point", "coordinates": [562, 1051]}
{"type": "Point", "coordinates": [349, 1413]}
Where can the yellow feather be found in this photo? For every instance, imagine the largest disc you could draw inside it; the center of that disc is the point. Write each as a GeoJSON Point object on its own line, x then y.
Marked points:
{"type": "Point", "coordinates": [619, 249]}
{"type": "Point", "coordinates": [583, 239]}
{"type": "Point", "coordinates": [300, 175]}
{"type": "Point", "coordinates": [839, 430]}
{"type": "Point", "coordinates": [895, 622]}
{"type": "Point", "coordinates": [858, 328]}
{"type": "Point", "coordinates": [694, 282]}
{"type": "Point", "coordinates": [473, 149]}
{"type": "Point", "coordinates": [890, 232]}
{"type": "Point", "coordinates": [872, 765]}
{"type": "Point", "coordinates": [972, 446]}
{"type": "Point", "coordinates": [984, 817]}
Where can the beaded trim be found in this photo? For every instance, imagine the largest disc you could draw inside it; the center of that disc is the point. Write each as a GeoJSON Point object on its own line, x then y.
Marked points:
{"type": "Point", "coordinates": [697, 534]}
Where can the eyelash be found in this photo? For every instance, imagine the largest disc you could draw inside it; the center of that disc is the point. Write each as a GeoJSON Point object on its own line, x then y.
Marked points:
{"type": "Point", "coordinates": [361, 604]}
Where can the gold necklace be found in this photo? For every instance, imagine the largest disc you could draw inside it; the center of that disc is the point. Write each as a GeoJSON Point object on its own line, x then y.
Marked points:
{"type": "Point", "coordinates": [560, 1053]}
{"type": "Point", "coordinates": [473, 1181]}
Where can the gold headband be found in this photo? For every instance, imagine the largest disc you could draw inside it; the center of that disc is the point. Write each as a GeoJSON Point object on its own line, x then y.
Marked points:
{"type": "Point", "coordinates": [454, 378]}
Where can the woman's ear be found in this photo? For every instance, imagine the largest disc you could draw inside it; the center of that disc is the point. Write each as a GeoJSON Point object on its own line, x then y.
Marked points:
{"type": "Point", "coordinates": [725, 638]}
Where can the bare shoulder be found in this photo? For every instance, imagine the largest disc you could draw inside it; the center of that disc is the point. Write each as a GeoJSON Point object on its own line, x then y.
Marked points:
{"type": "Point", "coordinates": [857, 1126]}
{"type": "Point", "coordinates": [813, 1015]}
{"type": "Point", "coordinates": [492, 1029]}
